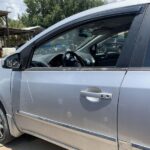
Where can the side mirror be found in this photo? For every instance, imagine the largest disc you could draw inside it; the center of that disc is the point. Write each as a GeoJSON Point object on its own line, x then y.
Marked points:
{"type": "Point", "coordinates": [12, 62]}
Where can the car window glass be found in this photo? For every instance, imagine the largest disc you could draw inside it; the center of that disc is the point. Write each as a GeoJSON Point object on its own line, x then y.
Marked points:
{"type": "Point", "coordinates": [94, 44]}
{"type": "Point", "coordinates": [110, 48]}
{"type": "Point", "coordinates": [68, 41]}
{"type": "Point", "coordinates": [112, 44]}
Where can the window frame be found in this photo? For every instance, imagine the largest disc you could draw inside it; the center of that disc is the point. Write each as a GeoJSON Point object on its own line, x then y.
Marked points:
{"type": "Point", "coordinates": [27, 53]}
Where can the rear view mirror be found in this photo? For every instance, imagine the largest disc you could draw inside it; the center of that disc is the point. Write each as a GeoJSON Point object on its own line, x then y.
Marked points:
{"type": "Point", "coordinates": [12, 62]}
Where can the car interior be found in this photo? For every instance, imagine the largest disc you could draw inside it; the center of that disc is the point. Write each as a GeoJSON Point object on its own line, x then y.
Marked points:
{"type": "Point", "coordinates": [97, 44]}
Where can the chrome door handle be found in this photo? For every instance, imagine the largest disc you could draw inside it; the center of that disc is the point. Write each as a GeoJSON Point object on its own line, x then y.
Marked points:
{"type": "Point", "coordinates": [96, 97]}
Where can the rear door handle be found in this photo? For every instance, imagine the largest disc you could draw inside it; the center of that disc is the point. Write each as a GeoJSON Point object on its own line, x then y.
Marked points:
{"type": "Point", "coordinates": [96, 97]}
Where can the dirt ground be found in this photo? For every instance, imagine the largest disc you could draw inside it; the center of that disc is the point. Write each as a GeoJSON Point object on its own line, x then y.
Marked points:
{"type": "Point", "coordinates": [27, 142]}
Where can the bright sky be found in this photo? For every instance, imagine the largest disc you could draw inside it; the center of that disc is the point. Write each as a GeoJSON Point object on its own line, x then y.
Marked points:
{"type": "Point", "coordinates": [16, 7]}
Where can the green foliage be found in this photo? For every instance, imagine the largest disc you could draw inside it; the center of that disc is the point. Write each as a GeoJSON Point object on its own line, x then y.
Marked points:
{"type": "Point", "coordinates": [15, 24]}
{"type": "Point", "coordinates": [12, 23]}
{"type": "Point", "coordinates": [48, 12]}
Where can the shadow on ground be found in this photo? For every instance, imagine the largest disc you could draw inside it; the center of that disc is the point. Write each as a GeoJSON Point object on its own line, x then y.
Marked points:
{"type": "Point", "coordinates": [27, 142]}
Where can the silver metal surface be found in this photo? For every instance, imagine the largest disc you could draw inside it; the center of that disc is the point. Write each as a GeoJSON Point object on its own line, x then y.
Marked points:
{"type": "Point", "coordinates": [63, 135]}
{"type": "Point", "coordinates": [5, 93]}
{"type": "Point", "coordinates": [6, 99]}
{"type": "Point", "coordinates": [134, 109]}
{"type": "Point", "coordinates": [56, 96]}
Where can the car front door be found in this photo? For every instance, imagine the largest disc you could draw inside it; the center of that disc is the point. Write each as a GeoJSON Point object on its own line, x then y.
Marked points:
{"type": "Point", "coordinates": [74, 106]}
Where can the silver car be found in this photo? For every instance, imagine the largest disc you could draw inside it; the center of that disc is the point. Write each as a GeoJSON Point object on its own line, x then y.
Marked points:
{"type": "Point", "coordinates": [84, 83]}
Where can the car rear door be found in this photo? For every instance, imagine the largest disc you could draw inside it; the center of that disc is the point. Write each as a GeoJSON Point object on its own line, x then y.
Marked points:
{"type": "Point", "coordinates": [76, 107]}
{"type": "Point", "coordinates": [134, 103]}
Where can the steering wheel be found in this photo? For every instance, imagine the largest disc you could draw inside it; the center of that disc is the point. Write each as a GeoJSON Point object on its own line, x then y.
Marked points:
{"type": "Point", "coordinates": [71, 59]}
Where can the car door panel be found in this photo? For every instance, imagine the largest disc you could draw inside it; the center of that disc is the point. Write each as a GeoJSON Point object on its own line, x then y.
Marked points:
{"type": "Point", "coordinates": [55, 96]}
{"type": "Point", "coordinates": [134, 110]}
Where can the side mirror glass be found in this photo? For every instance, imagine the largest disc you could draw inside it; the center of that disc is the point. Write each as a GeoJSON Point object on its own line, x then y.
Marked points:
{"type": "Point", "coordinates": [12, 62]}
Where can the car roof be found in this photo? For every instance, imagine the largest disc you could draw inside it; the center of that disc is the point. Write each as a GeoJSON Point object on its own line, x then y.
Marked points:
{"type": "Point", "coordinates": [110, 6]}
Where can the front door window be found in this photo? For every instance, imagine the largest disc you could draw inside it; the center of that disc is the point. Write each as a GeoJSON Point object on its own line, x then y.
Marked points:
{"type": "Point", "coordinates": [71, 48]}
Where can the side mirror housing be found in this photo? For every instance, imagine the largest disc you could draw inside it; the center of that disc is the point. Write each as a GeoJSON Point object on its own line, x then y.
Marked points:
{"type": "Point", "coordinates": [12, 62]}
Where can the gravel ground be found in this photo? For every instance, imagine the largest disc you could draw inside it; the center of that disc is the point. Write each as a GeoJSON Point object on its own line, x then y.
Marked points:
{"type": "Point", "coordinates": [27, 142]}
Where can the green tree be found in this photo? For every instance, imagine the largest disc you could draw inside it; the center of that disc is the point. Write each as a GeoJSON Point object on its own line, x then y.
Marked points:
{"type": "Point", "coordinates": [48, 12]}
{"type": "Point", "coordinates": [15, 24]}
